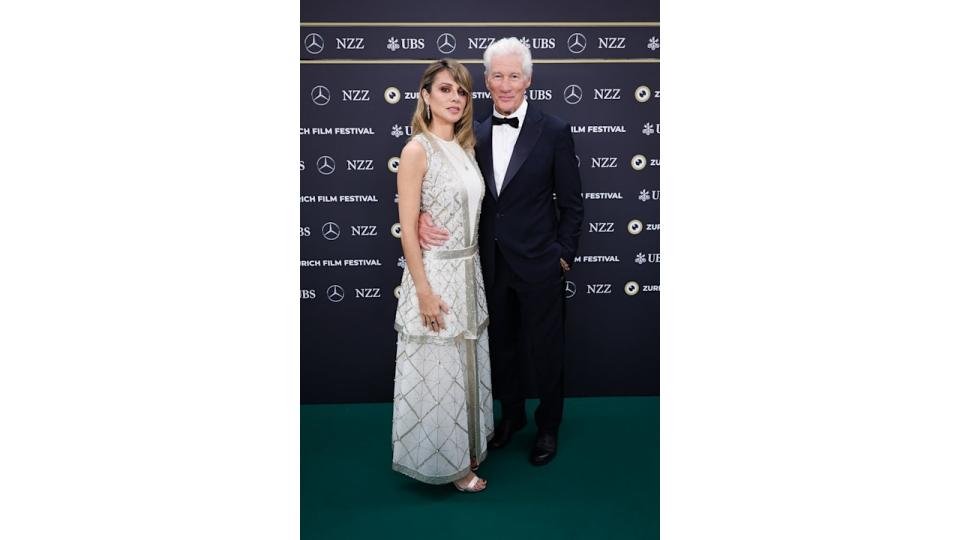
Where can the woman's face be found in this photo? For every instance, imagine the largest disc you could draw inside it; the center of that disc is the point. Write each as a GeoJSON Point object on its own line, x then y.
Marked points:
{"type": "Point", "coordinates": [446, 98]}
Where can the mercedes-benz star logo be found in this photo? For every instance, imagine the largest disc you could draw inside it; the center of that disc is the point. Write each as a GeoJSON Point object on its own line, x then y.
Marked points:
{"type": "Point", "coordinates": [335, 293]}
{"type": "Point", "coordinates": [330, 230]}
{"type": "Point", "coordinates": [572, 94]}
{"type": "Point", "coordinates": [577, 42]}
{"type": "Point", "coordinates": [326, 165]}
{"type": "Point", "coordinates": [570, 289]}
{"type": "Point", "coordinates": [446, 43]}
{"type": "Point", "coordinates": [320, 95]}
{"type": "Point", "coordinates": [313, 43]}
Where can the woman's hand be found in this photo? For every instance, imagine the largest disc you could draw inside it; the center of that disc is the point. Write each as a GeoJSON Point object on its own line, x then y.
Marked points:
{"type": "Point", "coordinates": [432, 308]}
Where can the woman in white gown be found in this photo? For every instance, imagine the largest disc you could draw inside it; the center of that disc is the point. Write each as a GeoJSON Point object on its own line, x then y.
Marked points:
{"type": "Point", "coordinates": [442, 406]}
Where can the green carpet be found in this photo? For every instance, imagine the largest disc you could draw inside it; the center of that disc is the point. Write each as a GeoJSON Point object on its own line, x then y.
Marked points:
{"type": "Point", "coordinates": [604, 482]}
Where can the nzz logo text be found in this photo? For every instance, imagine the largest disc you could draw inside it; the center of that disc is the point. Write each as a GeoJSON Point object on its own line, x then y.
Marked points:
{"type": "Point", "coordinates": [601, 226]}
{"type": "Point", "coordinates": [359, 164]}
{"type": "Point", "coordinates": [606, 93]}
{"type": "Point", "coordinates": [603, 163]}
{"type": "Point", "coordinates": [363, 230]}
{"type": "Point", "coordinates": [356, 95]}
{"type": "Point", "coordinates": [351, 43]}
{"type": "Point", "coordinates": [612, 43]}
{"type": "Point", "coordinates": [599, 288]}
{"type": "Point", "coordinates": [366, 293]}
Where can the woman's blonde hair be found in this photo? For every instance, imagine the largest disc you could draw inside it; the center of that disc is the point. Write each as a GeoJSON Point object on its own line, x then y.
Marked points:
{"type": "Point", "coordinates": [463, 128]}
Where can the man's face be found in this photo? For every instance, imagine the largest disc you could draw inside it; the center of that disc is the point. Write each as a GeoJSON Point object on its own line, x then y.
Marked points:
{"type": "Point", "coordinates": [506, 82]}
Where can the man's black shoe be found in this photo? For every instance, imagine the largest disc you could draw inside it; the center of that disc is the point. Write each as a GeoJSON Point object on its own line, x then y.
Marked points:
{"type": "Point", "coordinates": [504, 431]}
{"type": "Point", "coordinates": [545, 448]}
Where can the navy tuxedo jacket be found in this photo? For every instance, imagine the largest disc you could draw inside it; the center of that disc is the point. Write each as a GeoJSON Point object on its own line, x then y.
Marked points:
{"type": "Point", "coordinates": [532, 229]}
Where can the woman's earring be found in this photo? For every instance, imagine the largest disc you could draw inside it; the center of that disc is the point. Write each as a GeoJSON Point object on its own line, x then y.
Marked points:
{"type": "Point", "coordinates": [428, 112]}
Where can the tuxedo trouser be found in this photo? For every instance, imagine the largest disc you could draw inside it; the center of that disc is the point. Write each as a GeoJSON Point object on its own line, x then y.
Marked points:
{"type": "Point", "coordinates": [526, 325]}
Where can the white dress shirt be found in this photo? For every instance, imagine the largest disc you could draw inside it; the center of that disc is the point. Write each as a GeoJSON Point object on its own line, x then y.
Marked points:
{"type": "Point", "coordinates": [503, 141]}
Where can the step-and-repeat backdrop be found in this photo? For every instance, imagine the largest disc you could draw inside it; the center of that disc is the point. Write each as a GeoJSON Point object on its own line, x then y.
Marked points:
{"type": "Point", "coordinates": [596, 65]}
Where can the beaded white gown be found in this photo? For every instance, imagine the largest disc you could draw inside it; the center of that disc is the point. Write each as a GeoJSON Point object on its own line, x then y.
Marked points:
{"type": "Point", "coordinates": [442, 403]}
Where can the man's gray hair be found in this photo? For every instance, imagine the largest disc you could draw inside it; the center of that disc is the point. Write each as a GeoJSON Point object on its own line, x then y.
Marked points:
{"type": "Point", "coordinates": [507, 46]}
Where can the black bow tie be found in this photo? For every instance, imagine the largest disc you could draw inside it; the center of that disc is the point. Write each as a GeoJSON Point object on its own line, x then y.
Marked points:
{"type": "Point", "coordinates": [512, 122]}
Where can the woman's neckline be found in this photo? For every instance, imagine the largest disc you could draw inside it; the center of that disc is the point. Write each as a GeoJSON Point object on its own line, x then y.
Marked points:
{"type": "Point", "coordinates": [439, 138]}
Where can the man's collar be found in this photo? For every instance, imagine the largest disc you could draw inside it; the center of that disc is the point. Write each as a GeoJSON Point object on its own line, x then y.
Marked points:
{"type": "Point", "coordinates": [520, 113]}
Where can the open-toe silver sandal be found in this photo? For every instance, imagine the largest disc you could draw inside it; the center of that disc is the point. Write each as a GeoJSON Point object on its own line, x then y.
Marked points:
{"type": "Point", "coordinates": [471, 486]}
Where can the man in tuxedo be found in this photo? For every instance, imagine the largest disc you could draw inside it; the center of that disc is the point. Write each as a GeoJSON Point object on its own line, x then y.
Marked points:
{"type": "Point", "coordinates": [528, 238]}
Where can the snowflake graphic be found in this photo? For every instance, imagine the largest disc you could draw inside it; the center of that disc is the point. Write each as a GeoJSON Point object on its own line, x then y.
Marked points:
{"type": "Point", "coordinates": [648, 129]}
{"type": "Point", "coordinates": [654, 44]}
{"type": "Point", "coordinates": [402, 262]}
{"type": "Point", "coordinates": [644, 195]}
{"type": "Point", "coordinates": [641, 258]}
{"type": "Point", "coordinates": [393, 44]}
{"type": "Point", "coordinates": [396, 131]}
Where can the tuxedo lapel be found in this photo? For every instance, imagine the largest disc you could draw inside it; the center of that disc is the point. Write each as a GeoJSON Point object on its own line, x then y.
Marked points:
{"type": "Point", "coordinates": [485, 153]}
{"type": "Point", "coordinates": [529, 133]}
